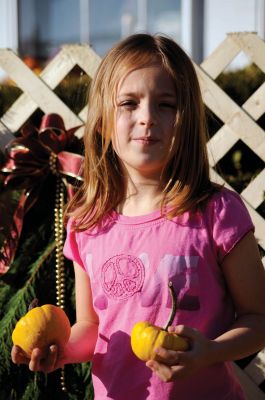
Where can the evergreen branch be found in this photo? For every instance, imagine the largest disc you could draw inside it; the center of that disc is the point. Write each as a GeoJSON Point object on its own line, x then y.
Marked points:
{"type": "Point", "coordinates": [33, 389]}
{"type": "Point", "coordinates": [43, 257]}
{"type": "Point", "coordinates": [22, 294]}
{"type": "Point", "coordinates": [17, 306]}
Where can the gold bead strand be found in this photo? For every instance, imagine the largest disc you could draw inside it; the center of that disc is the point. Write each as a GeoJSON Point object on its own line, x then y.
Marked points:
{"type": "Point", "coordinates": [59, 257]}
{"type": "Point", "coordinates": [59, 240]}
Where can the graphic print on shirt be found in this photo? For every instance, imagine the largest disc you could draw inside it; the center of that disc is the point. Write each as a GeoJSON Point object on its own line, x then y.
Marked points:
{"type": "Point", "coordinates": [124, 275]}
{"type": "Point", "coordinates": [121, 277]}
{"type": "Point", "coordinates": [182, 272]}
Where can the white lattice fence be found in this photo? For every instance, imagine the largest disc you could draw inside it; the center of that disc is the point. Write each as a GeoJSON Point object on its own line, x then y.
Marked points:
{"type": "Point", "coordinates": [239, 124]}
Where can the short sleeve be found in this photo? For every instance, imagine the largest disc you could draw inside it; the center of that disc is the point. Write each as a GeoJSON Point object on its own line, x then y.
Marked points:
{"type": "Point", "coordinates": [70, 249]}
{"type": "Point", "coordinates": [231, 221]}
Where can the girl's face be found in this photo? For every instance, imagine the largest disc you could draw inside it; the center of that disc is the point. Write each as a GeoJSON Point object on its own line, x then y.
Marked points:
{"type": "Point", "coordinates": [145, 120]}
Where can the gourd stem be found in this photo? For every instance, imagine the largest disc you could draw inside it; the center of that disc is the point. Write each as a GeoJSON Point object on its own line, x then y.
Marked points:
{"type": "Point", "coordinates": [33, 304]}
{"type": "Point", "coordinates": [173, 307]}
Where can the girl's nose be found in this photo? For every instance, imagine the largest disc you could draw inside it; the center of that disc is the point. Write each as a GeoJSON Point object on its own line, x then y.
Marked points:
{"type": "Point", "coordinates": [148, 115]}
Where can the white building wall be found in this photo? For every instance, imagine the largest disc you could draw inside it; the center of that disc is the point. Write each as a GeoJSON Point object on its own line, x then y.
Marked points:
{"type": "Point", "coordinates": [222, 17]}
{"type": "Point", "coordinates": [8, 24]}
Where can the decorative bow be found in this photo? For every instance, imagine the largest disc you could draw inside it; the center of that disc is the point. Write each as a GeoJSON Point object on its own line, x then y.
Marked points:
{"type": "Point", "coordinates": [30, 159]}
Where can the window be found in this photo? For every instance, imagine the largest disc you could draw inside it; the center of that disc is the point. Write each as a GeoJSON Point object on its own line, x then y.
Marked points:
{"type": "Point", "coordinates": [45, 25]}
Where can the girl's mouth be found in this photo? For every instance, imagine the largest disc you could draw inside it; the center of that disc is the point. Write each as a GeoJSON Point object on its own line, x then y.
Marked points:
{"type": "Point", "coordinates": [146, 140]}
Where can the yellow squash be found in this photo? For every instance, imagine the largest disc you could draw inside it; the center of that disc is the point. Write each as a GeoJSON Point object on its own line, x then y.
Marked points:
{"type": "Point", "coordinates": [146, 338]}
{"type": "Point", "coordinates": [41, 327]}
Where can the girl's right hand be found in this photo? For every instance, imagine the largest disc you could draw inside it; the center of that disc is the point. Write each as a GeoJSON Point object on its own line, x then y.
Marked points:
{"type": "Point", "coordinates": [41, 360]}
{"type": "Point", "coordinates": [182, 364]}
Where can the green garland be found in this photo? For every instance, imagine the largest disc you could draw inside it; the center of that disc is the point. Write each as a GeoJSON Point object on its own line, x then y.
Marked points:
{"type": "Point", "coordinates": [32, 274]}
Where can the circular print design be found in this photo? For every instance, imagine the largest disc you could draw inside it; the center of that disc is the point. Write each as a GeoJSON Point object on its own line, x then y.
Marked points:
{"type": "Point", "coordinates": [122, 276]}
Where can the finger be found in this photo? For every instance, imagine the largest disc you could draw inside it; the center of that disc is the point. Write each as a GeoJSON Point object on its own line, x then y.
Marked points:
{"type": "Point", "coordinates": [163, 371]}
{"type": "Point", "coordinates": [186, 331]}
{"type": "Point", "coordinates": [60, 360]}
{"type": "Point", "coordinates": [18, 356]}
{"type": "Point", "coordinates": [49, 362]}
{"type": "Point", "coordinates": [167, 373]}
{"type": "Point", "coordinates": [35, 362]}
{"type": "Point", "coordinates": [168, 357]}
{"type": "Point", "coordinates": [179, 371]}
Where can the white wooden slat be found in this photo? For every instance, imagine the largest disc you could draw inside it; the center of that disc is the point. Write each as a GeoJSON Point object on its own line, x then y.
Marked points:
{"type": "Point", "coordinates": [22, 109]}
{"type": "Point", "coordinates": [35, 87]}
{"type": "Point", "coordinates": [83, 114]}
{"type": "Point", "coordinates": [5, 136]}
{"type": "Point", "coordinates": [254, 193]}
{"type": "Point", "coordinates": [214, 97]}
{"type": "Point", "coordinates": [252, 45]}
{"type": "Point", "coordinates": [256, 368]}
{"type": "Point", "coordinates": [255, 104]}
{"type": "Point", "coordinates": [221, 57]}
{"type": "Point", "coordinates": [57, 69]}
{"type": "Point", "coordinates": [24, 106]}
{"type": "Point", "coordinates": [84, 56]}
{"type": "Point", "coordinates": [19, 112]}
{"type": "Point", "coordinates": [259, 224]}
{"type": "Point", "coordinates": [257, 219]}
{"type": "Point", "coordinates": [231, 114]}
{"type": "Point", "coordinates": [80, 132]}
{"type": "Point", "coordinates": [52, 74]}
{"type": "Point", "coordinates": [252, 391]}
{"type": "Point", "coordinates": [248, 131]}
{"type": "Point", "coordinates": [220, 144]}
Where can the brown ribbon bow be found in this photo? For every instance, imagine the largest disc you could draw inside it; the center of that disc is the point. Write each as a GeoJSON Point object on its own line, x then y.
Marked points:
{"type": "Point", "coordinates": [30, 159]}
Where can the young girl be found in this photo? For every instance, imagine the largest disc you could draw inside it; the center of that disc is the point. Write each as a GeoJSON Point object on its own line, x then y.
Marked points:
{"type": "Point", "coordinates": [148, 214]}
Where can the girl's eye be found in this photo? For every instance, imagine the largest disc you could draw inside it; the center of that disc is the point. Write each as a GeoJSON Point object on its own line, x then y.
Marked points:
{"type": "Point", "coordinates": [167, 105]}
{"type": "Point", "coordinates": [128, 104]}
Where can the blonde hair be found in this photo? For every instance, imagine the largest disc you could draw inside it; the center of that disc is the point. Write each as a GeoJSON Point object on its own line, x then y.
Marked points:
{"type": "Point", "coordinates": [186, 173]}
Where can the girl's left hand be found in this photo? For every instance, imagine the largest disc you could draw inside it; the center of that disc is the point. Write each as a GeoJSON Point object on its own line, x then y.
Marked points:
{"type": "Point", "coordinates": [41, 360]}
{"type": "Point", "coordinates": [180, 364]}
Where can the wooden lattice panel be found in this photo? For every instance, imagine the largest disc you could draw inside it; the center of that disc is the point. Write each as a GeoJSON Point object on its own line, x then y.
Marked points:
{"type": "Point", "coordinates": [239, 124]}
{"type": "Point", "coordinates": [38, 90]}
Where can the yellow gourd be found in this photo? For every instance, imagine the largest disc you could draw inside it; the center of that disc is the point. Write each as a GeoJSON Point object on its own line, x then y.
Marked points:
{"type": "Point", "coordinates": [146, 338]}
{"type": "Point", "coordinates": [41, 327]}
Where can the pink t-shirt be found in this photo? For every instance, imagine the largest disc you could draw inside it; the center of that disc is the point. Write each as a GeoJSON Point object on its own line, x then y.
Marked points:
{"type": "Point", "coordinates": [130, 261]}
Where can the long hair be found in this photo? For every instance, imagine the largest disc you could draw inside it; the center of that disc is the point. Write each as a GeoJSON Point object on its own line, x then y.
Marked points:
{"type": "Point", "coordinates": [186, 173]}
